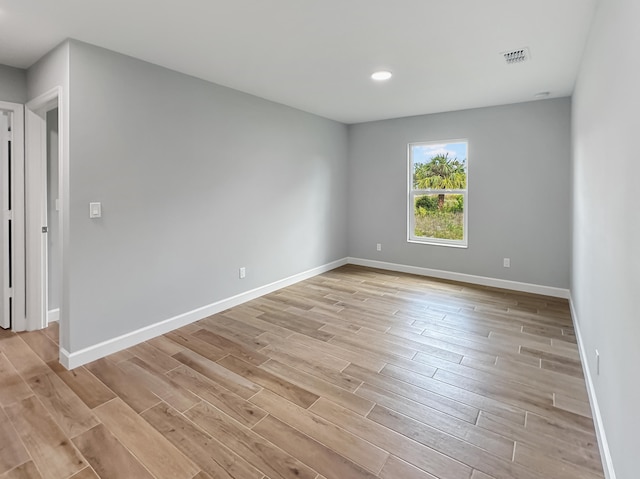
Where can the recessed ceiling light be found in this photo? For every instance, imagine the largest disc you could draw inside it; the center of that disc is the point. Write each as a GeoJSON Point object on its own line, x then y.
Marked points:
{"type": "Point", "coordinates": [381, 75]}
{"type": "Point", "coordinates": [542, 94]}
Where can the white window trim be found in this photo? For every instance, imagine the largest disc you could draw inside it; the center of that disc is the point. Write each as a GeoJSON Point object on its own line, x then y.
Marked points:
{"type": "Point", "coordinates": [411, 237]}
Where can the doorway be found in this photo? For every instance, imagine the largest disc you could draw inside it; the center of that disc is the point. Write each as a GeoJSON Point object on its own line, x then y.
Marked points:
{"type": "Point", "coordinates": [43, 219]}
{"type": "Point", "coordinates": [54, 266]}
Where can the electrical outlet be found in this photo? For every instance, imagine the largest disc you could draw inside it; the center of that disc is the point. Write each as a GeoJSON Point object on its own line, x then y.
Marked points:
{"type": "Point", "coordinates": [379, 247]}
{"type": "Point", "coordinates": [597, 363]}
{"type": "Point", "coordinates": [506, 262]}
{"type": "Point", "coordinates": [243, 272]}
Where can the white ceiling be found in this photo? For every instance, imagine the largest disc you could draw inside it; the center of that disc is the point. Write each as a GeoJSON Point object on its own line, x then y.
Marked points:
{"type": "Point", "coordinates": [317, 55]}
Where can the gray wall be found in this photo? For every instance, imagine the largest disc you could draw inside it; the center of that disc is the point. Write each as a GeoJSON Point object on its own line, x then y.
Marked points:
{"type": "Point", "coordinates": [518, 201]}
{"type": "Point", "coordinates": [53, 237]}
{"type": "Point", "coordinates": [195, 181]}
{"type": "Point", "coordinates": [13, 84]}
{"type": "Point", "coordinates": [606, 244]}
{"type": "Point", "coordinates": [49, 72]}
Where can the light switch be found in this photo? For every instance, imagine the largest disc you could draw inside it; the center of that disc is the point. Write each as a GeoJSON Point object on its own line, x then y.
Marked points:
{"type": "Point", "coordinates": [95, 210]}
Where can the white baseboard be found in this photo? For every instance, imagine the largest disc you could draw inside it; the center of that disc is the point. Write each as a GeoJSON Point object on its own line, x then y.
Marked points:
{"type": "Point", "coordinates": [100, 350]}
{"type": "Point", "coordinates": [464, 278]}
{"type": "Point", "coordinates": [91, 353]}
{"type": "Point", "coordinates": [603, 444]}
{"type": "Point", "coordinates": [53, 315]}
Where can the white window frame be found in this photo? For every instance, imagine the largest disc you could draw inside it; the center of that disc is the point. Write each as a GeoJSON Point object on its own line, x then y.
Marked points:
{"type": "Point", "coordinates": [412, 193]}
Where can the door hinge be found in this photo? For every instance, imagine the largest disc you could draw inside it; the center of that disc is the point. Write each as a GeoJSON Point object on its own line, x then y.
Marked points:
{"type": "Point", "coordinates": [45, 229]}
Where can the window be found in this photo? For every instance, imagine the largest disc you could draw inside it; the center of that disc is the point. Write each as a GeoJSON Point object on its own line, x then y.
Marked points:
{"type": "Point", "coordinates": [437, 200]}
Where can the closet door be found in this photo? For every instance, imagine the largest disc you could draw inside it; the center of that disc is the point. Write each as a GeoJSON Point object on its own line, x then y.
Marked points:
{"type": "Point", "coordinates": [5, 220]}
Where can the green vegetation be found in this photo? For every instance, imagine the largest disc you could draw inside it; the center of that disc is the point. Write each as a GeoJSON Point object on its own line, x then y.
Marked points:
{"type": "Point", "coordinates": [441, 173]}
{"type": "Point", "coordinates": [435, 222]}
{"type": "Point", "coordinates": [440, 215]}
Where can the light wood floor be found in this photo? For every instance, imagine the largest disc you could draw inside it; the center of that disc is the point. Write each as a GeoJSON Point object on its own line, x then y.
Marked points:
{"type": "Point", "coordinates": [356, 373]}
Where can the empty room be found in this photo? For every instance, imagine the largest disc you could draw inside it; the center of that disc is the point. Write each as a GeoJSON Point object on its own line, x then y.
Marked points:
{"type": "Point", "coordinates": [324, 240]}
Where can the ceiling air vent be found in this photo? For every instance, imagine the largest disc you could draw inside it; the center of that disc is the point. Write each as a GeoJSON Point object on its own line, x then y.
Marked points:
{"type": "Point", "coordinates": [516, 56]}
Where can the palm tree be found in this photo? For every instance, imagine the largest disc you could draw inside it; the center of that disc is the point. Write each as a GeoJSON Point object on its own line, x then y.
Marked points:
{"type": "Point", "coordinates": [440, 173]}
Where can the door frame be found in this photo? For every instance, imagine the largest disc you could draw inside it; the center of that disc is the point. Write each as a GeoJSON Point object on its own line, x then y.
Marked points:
{"type": "Point", "coordinates": [18, 219]}
{"type": "Point", "coordinates": [36, 203]}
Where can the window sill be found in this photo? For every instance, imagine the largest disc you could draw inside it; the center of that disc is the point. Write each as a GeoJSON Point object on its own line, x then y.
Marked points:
{"type": "Point", "coordinates": [437, 243]}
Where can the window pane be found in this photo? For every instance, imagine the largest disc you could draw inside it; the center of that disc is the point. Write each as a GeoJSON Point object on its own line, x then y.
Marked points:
{"type": "Point", "coordinates": [439, 216]}
{"type": "Point", "coordinates": [439, 166]}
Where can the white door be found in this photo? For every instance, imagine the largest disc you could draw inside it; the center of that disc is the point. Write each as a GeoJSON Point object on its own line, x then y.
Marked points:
{"type": "Point", "coordinates": [5, 220]}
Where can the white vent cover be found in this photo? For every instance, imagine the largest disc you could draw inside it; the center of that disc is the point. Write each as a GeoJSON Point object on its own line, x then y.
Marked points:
{"type": "Point", "coordinates": [516, 56]}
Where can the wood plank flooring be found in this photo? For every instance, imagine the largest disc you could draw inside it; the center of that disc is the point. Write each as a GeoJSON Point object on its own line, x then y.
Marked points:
{"type": "Point", "coordinates": [356, 373]}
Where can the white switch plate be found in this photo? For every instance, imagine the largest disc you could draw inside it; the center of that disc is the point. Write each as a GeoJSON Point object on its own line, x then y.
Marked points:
{"type": "Point", "coordinates": [379, 247]}
{"type": "Point", "coordinates": [243, 272]}
{"type": "Point", "coordinates": [95, 210]}
{"type": "Point", "coordinates": [506, 262]}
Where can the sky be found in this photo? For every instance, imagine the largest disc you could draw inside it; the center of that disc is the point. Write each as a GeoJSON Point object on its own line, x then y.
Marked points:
{"type": "Point", "coordinates": [423, 152]}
